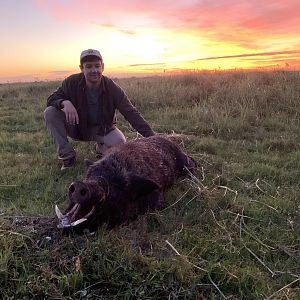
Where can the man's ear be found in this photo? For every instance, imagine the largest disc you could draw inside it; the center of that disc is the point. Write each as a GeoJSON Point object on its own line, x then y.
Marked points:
{"type": "Point", "coordinates": [139, 186]}
{"type": "Point", "coordinates": [88, 163]}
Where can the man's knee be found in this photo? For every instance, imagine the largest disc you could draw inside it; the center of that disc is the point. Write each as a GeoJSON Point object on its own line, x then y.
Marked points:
{"type": "Point", "coordinates": [52, 114]}
{"type": "Point", "coordinates": [120, 137]}
{"type": "Point", "coordinates": [115, 137]}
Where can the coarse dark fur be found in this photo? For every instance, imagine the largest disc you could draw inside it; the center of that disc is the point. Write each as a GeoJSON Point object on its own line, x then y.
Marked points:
{"type": "Point", "coordinates": [128, 181]}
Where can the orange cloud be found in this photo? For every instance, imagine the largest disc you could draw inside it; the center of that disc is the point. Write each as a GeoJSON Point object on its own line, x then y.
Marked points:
{"type": "Point", "coordinates": [243, 23]}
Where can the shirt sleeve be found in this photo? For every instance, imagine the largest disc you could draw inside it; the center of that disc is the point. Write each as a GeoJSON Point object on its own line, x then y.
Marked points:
{"type": "Point", "coordinates": [58, 96]}
{"type": "Point", "coordinates": [131, 113]}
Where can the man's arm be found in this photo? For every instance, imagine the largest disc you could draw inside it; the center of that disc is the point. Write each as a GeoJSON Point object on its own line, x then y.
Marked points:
{"type": "Point", "coordinates": [59, 99]}
{"type": "Point", "coordinates": [131, 114]}
{"type": "Point", "coordinates": [56, 98]}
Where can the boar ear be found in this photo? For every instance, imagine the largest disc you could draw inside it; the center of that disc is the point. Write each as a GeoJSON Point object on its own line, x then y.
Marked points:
{"type": "Point", "coordinates": [140, 186]}
{"type": "Point", "coordinates": [88, 163]}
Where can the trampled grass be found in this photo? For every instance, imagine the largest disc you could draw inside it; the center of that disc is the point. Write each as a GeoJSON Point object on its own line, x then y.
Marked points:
{"type": "Point", "coordinates": [232, 231]}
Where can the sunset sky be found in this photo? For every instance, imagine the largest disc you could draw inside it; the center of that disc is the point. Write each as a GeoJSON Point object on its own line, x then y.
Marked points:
{"type": "Point", "coordinates": [42, 39]}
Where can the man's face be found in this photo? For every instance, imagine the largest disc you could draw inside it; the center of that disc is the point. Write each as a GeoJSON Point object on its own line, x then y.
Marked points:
{"type": "Point", "coordinates": [92, 71]}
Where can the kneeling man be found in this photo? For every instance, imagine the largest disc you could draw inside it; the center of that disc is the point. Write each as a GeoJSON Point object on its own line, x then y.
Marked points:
{"type": "Point", "coordinates": [84, 107]}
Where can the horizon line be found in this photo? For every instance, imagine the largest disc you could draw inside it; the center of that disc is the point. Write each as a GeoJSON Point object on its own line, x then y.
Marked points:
{"type": "Point", "coordinates": [30, 78]}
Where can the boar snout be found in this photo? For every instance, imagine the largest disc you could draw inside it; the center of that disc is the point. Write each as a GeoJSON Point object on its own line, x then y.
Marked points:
{"type": "Point", "coordinates": [79, 192]}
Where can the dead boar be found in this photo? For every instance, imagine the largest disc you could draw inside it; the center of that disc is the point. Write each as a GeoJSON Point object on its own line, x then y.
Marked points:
{"type": "Point", "coordinates": [128, 181]}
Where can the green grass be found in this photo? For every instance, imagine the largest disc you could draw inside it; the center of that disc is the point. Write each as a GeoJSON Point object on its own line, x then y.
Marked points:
{"type": "Point", "coordinates": [231, 231]}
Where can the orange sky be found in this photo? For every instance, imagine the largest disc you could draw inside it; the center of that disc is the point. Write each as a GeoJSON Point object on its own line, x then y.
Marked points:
{"type": "Point", "coordinates": [42, 39]}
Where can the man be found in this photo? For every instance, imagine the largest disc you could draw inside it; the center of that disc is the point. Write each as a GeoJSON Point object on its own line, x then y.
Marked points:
{"type": "Point", "coordinates": [84, 106]}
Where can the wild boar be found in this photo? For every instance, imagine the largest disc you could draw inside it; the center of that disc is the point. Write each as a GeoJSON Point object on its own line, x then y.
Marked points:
{"type": "Point", "coordinates": [128, 181]}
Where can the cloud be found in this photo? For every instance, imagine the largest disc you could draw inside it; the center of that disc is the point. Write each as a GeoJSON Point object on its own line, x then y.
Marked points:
{"type": "Point", "coordinates": [142, 65]}
{"type": "Point", "coordinates": [183, 30]}
{"type": "Point", "coordinates": [113, 11]}
{"type": "Point", "coordinates": [115, 28]}
{"type": "Point", "coordinates": [63, 72]}
{"type": "Point", "coordinates": [246, 24]}
{"type": "Point", "coordinates": [243, 23]}
{"type": "Point", "coordinates": [274, 53]}
{"type": "Point", "coordinates": [255, 15]}
{"type": "Point", "coordinates": [266, 15]}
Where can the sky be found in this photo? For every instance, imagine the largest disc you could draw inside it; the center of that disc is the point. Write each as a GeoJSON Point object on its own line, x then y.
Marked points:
{"type": "Point", "coordinates": [43, 39]}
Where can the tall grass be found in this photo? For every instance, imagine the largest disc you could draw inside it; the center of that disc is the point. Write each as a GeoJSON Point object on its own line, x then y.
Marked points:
{"type": "Point", "coordinates": [232, 231]}
{"type": "Point", "coordinates": [228, 105]}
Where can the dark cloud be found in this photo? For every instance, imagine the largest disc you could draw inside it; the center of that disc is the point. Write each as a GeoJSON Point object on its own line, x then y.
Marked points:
{"type": "Point", "coordinates": [142, 65]}
{"type": "Point", "coordinates": [274, 53]}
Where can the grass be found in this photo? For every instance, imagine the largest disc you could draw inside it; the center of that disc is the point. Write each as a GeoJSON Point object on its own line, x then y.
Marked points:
{"type": "Point", "coordinates": [232, 231]}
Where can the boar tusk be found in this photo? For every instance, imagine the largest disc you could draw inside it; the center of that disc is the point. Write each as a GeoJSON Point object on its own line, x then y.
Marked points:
{"type": "Point", "coordinates": [73, 209]}
{"type": "Point", "coordinates": [58, 213]}
{"type": "Point", "coordinates": [84, 218]}
{"type": "Point", "coordinates": [64, 219]}
{"type": "Point", "coordinates": [78, 222]}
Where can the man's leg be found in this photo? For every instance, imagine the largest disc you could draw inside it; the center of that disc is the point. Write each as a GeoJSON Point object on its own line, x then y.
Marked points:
{"type": "Point", "coordinates": [115, 137]}
{"type": "Point", "coordinates": [56, 124]}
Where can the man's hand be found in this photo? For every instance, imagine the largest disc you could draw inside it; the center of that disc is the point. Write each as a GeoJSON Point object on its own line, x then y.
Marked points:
{"type": "Point", "coordinates": [70, 112]}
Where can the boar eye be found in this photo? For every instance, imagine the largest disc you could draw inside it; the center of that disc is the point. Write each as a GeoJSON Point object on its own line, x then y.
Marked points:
{"type": "Point", "coordinates": [83, 192]}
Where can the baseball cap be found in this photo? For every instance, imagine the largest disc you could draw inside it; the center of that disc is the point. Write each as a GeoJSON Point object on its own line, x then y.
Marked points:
{"type": "Point", "coordinates": [90, 52]}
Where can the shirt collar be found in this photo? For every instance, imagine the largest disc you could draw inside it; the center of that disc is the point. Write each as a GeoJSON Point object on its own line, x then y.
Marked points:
{"type": "Point", "coordinates": [103, 88]}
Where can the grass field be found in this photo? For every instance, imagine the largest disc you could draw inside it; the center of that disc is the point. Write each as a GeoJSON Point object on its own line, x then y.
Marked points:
{"type": "Point", "coordinates": [230, 232]}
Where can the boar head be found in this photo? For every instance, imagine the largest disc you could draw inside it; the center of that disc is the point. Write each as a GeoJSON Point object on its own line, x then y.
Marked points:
{"type": "Point", "coordinates": [90, 204]}
{"type": "Point", "coordinates": [84, 199]}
